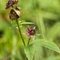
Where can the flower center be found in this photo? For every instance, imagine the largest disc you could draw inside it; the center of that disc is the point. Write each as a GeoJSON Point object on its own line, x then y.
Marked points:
{"type": "Point", "coordinates": [32, 32]}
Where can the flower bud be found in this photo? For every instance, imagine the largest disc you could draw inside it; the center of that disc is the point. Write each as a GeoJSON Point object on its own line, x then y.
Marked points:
{"type": "Point", "coordinates": [11, 3]}
{"type": "Point", "coordinates": [14, 13]}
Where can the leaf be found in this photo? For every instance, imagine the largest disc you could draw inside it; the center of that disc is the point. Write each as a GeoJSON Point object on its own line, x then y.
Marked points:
{"type": "Point", "coordinates": [27, 23]}
{"type": "Point", "coordinates": [48, 44]}
{"type": "Point", "coordinates": [38, 52]}
{"type": "Point", "coordinates": [29, 51]}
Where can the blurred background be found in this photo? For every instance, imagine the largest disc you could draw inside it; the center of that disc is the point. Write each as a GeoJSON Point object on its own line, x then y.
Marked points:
{"type": "Point", "coordinates": [44, 14]}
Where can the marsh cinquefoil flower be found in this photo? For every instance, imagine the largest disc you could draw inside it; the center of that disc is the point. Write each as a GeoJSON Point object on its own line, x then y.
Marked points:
{"type": "Point", "coordinates": [11, 3]}
{"type": "Point", "coordinates": [31, 32]}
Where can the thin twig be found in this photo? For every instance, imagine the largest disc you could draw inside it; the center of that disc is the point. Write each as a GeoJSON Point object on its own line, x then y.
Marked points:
{"type": "Point", "coordinates": [20, 32]}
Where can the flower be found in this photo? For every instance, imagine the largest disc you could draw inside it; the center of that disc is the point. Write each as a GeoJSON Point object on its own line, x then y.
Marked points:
{"type": "Point", "coordinates": [14, 13]}
{"type": "Point", "coordinates": [31, 32]}
{"type": "Point", "coordinates": [11, 3]}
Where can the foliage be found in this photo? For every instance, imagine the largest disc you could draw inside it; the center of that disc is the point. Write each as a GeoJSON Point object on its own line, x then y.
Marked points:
{"type": "Point", "coordinates": [45, 15]}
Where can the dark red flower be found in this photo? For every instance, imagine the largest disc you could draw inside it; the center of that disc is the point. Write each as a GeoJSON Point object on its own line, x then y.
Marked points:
{"type": "Point", "coordinates": [11, 3]}
{"type": "Point", "coordinates": [31, 32]}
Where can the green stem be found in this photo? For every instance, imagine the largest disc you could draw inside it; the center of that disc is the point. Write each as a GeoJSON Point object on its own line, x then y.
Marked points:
{"type": "Point", "coordinates": [29, 40]}
{"type": "Point", "coordinates": [20, 32]}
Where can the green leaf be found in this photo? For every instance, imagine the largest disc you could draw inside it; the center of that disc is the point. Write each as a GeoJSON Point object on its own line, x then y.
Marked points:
{"type": "Point", "coordinates": [38, 52]}
{"type": "Point", "coordinates": [27, 23]}
{"type": "Point", "coordinates": [29, 51]}
{"type": "Point", "coordinates": [48, 44]}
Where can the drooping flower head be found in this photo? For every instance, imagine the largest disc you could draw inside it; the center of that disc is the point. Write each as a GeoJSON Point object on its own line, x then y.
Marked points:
{"type": "Point", "coordinates": [31, 32]}
{"type": "Point", "coordinates": [11, 3]}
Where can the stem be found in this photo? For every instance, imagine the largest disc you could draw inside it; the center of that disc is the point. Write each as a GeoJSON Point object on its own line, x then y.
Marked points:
{"type": "Point", "coordinates": [20, 32]}
{"type": "Point", "coordinates": [29, 40]}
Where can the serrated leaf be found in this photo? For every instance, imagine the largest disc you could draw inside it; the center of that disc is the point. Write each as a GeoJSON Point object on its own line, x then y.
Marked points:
{"type": "Point", "coordinates": [48, 44]}
{"type": "Point", "coordinates": [29, 51]}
